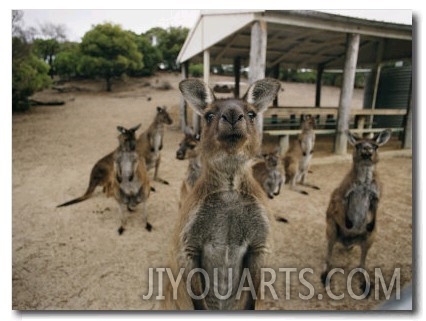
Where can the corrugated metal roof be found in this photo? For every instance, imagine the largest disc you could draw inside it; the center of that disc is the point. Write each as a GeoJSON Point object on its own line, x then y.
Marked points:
{"type": "Point", "coordinates": [295, 38]}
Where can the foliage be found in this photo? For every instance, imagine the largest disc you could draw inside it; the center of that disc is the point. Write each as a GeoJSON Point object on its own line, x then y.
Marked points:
{"type": "Point", "coordinates": [67, 61]}
{"type": "Point", "coordinates": [108, 51]}
{"type": "Point", "coordinates": [196, 70]}
{"type": "Point", "coordinates": [170, 42]}
{"type": "Point", "coordinates": [29, 74]}
{"type": "Point", "coordinates": [47, 49]}
{"type": "Point", "coordinates": [151, 56]}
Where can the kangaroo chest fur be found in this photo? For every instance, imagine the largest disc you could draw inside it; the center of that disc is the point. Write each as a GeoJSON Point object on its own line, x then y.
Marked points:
{"type": "Point", "coordinates": [130, 185]}
{"type": "Point", "coordinates": [361, 197]}
{"type": "Point", "coordinates": [222, 236]}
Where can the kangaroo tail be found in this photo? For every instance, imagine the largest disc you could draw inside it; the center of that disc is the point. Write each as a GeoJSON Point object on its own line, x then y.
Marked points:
{"type": "Point", "coordinates": [88, 194]}
{"type": "Point", "coordinates": [76, 200]}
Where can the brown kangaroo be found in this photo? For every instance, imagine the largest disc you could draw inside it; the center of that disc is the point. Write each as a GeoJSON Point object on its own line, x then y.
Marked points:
{"type": "Point", "coordinates": [297, 158]}
{"type": "Point", "coordinates": [223, 222]}
{"type": "Point", "coordinates": [352, 211]}
{"type": "Point", "coordinates": [99, 176]}
{"type": "Point", "coordinates": [150, 142]}
{"type": "Point", "coordinates": [129, 184]}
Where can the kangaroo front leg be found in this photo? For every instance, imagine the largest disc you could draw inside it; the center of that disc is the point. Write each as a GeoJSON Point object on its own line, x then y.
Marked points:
{"type": "Point", "coordinates": [148, 226]}
{"type": "Point", "coordinates": [122, 210]}
{"type": "Point", "coordinates": [331, 233]}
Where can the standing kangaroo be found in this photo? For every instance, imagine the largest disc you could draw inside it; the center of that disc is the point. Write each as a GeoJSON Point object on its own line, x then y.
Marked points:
{"type": "Point", "coordinates": [267, 173]}
{"type": "Point", "coordinates": [150, 142]}
{"type": "Point", "coordinates": [352, 211]}
{"type": "Point", "coordinates": [297, 158]}
{"type": "Point", "coordinates": [129, 184]}
{"type": "Point", "coordinates": [224, 227]}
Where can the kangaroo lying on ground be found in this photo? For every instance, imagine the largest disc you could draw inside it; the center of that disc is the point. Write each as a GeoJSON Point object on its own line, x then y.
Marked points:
{"type": "Point", "coordinates": [223, 222]}
{"type": "Point", "coordinates": [352, 211]}
{"type": "Point", "coordinates": [150, 142]}
{"type": "Point", "coordinates": [297, 158]}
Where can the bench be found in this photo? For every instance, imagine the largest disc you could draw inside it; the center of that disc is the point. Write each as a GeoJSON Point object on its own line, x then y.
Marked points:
{"type": "Point", "coordinates": [285, 121]}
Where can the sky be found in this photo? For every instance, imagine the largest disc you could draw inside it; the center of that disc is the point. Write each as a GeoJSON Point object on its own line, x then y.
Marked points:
{"type": "Point", "coordinates": [78, 21]}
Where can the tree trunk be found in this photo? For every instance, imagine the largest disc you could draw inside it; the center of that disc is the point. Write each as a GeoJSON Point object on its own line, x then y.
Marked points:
{"type": "Point", "coordinates": [108, 84]}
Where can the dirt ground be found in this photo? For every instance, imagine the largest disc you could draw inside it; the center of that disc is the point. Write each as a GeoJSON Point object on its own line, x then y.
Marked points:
{"type": "Point", "coordinates": [72, 258]}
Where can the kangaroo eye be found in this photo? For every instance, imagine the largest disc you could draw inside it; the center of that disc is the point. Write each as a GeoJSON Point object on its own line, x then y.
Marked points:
{"type": "Point", "coordinates": [209, 117]}
{"type": "Point", "coordinates": [251, 114]}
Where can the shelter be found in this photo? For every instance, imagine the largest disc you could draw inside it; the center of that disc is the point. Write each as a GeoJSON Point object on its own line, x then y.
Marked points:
{"type": "Point", "coordinates": [297, 39]}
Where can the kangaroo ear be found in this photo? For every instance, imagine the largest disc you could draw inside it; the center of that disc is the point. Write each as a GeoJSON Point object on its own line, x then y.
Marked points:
{"type": "Point", "coordinates": [352, 139]}
{"type": "Point", "coordinates": [382, 137]}
{"type": "Point", "coordinates": [262, 93]}
{"type": "Point", "coordinates": [121, 129]}
{"type": "Point", "coordinates": [159, 109]}
{"type": "Point", "coordinates": [133, 129]}
{"type": "Point", "coordinates": [197, 93]}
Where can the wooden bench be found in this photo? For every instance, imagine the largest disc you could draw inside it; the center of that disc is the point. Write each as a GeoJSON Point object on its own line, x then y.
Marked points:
{"type": "Point", "coordinates": [285, 121]}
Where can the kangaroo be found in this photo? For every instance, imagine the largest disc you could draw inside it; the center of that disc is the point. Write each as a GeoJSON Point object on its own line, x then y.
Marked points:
{"type": "Point", "coordinates": [129, 184]}
{"type": "Point", "coordinates": [267, 173]}
{"type": "Point", "coordinates": [100, 176]}
{"type": "Point", "coordinates": [188, 148]}
{"type": "Point", "coordinates": [223, 225]}
{"type": "Point", "coordinates": [352, 211]}
{"type": "Point", "coordinates": [150, 142]}
{"type": "Point", "coordinates": [297, 158]}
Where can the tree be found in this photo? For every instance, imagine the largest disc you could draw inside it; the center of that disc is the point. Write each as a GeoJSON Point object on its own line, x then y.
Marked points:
{"type": "Point", "coordinates": [47, 49]}
{"type": "Point", "coordinates": [108, 51]}
{"type": "Point", "coordinates": [151, 56]}
{"type": "Point", "coordinates": [170, 42]}
{"type": "Point", "coordinates": [66, 63]}
{"type": "Point", "coordinates": [29, 74]}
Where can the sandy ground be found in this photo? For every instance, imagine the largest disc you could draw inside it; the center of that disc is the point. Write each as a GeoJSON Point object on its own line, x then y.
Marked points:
{"type": "Point", "coordinates": [73, 258]}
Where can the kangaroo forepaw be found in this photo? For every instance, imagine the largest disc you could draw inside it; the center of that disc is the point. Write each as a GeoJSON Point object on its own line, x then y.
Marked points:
{"type": "Point", "coordinates": [271, 196]}
{"type": "Point", "coordinates": [324, 280]}
{"type": "Point", "coordinates": [148, 227]}
{"type": "Point", "coordinates": [121, 230]}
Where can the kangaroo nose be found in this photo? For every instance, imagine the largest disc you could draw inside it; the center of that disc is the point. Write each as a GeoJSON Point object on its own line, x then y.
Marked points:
{"type": "Point", "coordinates": [180, 155]}
{"type": "Point", "coordinates": [232, 116]}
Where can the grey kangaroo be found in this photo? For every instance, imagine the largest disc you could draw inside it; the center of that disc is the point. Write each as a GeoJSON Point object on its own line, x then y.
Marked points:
{"type": "Point", "coordinates": [223, 222]}
{"type": "Point", "coordinates": [352, 211]}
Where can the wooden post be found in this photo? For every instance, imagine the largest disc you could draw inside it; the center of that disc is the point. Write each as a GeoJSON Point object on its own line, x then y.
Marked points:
{"type": "Point", "coordinates": [257, 51]}
{"type": "Point", "coordinates": [408, 123]}
{"type": "Point", "coordinates": [183, 116]}
{"type": "Point", "coordinates": [276, 76]}
{"type": "Point", "coordinates": [352, 47]}
{"type": "Point", "coordinates": [320, 71]}
{"type": "Point", "coordinates": [257, 63]}
{"type": "Point", "coordinates": [377, 70]}
{"type": "Point", "coordinates": [237, 75]}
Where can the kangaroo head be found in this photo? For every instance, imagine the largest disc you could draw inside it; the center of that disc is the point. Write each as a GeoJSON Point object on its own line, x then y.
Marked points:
{"type": "Point", "coordinates": [307, 122]}
{"type": "Point", "coordinates": [127, 138]}
{"type": "Point", "coordinates": [229, 125]}
{"type": "Point", "coordinates": [188, 144]}
{"type": "Point", "coordinates": [162, 116]}
{"type": "Point", "coordinates": [365, 150]}
{"type": "Point", "coordinates": [272, 159]}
